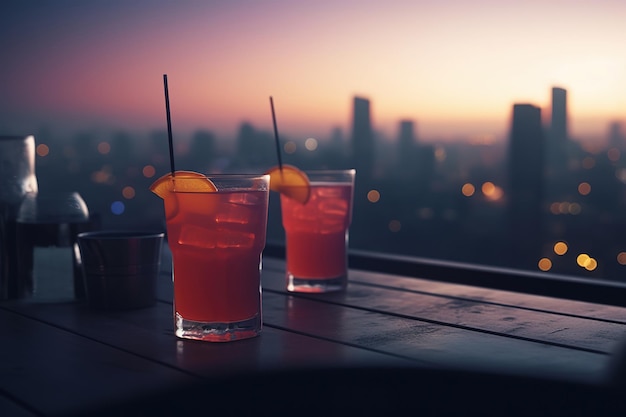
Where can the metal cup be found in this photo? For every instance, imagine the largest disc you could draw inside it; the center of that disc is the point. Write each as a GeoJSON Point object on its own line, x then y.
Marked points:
{"type": "Point", "coordinates": [120, 268]}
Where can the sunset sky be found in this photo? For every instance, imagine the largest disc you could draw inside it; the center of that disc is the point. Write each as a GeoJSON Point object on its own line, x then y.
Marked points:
{"type": "Point", "coordinates": [454, 66]}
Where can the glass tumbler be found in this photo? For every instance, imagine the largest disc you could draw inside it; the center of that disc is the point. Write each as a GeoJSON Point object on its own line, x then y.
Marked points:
{"type": "Point", "coordinates": [217, 238]}
{"type": "Point", "coordinates": [17, 179]}
{"type": "Point", "coordinates": [317, 233]}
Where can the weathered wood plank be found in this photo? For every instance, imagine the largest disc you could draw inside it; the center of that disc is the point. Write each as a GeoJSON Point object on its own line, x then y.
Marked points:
{"type": "Point", "coordinates": [471, 326]}
{"type": "Point", "coordinates": [446, 304]}
{"type": "Point", "coordinates": [437, 311]}
{"type": "Point", "coordinates": [149, 333]}
{"type": "Point", "coordinates": [436, 344]}
{"type": "Point", "coordinates": [56, 371]}
{"type": "Point", "coordinates": [64, 357]}
{"type": "Point", "coordinates": [530, 301]}
{"type": "Point", "coordinates": [535, 302]}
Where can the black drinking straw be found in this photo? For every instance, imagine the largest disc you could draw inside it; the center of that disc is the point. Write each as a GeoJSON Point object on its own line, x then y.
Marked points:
{"type": "Point", "coordinates": [169, 124]}
{"type": "Point", "coordinates": [280, 161]}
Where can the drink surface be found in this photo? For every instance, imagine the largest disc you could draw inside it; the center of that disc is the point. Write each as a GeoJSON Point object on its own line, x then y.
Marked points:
{"type": "Point", "coordinates": [316, 231]}
{"type": "Point", "coordinates": [216, 240]}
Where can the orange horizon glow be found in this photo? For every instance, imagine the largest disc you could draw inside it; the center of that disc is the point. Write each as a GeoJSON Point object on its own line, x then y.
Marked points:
{"type": "Point", "coordinates": [455, 67]}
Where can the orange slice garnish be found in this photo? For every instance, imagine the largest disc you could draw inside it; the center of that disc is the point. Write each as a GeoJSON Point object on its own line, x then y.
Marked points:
{"type": "Point", "coordinates": [291, 182]}
{"type": "Point", "coordinates": [184, 181]}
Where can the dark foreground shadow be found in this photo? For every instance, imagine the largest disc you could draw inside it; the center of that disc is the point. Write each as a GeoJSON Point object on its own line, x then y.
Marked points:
{"type": "Point", "coordinates": [375, 392]}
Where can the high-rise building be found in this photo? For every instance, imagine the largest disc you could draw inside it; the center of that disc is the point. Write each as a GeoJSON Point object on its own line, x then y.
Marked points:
{"type": "Point", "coordinates": [557, 146]}
{"type": "Point", "coordinates": [362, 138]}
{"type": "Point", "coordinates": [406, 137]}
{"type": "Point", "coordinates": [616, 138]}
{"type": "Point", "coordinates": [255, 148]}
{"type": "Point", "coordinates": [558, 124]}
{"type": "Point", "coordinates": [526, 184]}
{"type": "Point", "coordinates": [407, 152]}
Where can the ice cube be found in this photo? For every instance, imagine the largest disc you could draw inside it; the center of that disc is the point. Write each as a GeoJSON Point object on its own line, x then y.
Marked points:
{"type": "Point", "coordinates": [246, 199]}
{"type": "Point", "coordinates": [333, 208]}
{"type": "Point", "coordinates": [197, 236]}
{"type": "Point", "coordinates": [329, 192]}
{"type": "Point", "coordinates": [235, 239]}
{"type": "Point", "coordinates": [235, 214]}
{"type": "Point", "coordinates": [202, 237]}
{"type": "Point", "coordinates": [304, 213]}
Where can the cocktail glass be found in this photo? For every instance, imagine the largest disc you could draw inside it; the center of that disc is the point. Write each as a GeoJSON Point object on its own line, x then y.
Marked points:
{"type": "Point", "coordinates": [216, 239]}
{"type": "Point", "coordinates": [317, 232]}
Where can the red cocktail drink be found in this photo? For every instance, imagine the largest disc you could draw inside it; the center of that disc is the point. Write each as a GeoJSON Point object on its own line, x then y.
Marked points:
{"type": "Point", "coordinates": [317, 233]}
{"type": "Point", "coordinates": [216, 239]}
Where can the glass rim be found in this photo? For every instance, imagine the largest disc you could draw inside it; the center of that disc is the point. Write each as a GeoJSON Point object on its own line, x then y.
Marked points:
{"type": "Point", "coordinates": [16, 137]}
{"type": "Point", "coordinates": [225, 176]}
{"type": "Point", "coordinates": [229, 177]}
{"type": "Point", "coordinates": [230, 183]}
{"type": "Point", "coordinates": [235, 176]}
{"type": "Point", "coordinates": [330, 171]}
{"type": "Point", "coordinates": [120, 234]}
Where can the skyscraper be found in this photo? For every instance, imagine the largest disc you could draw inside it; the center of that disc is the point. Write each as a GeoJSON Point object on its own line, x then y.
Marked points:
{"type": "Point", "coordinates": [616, 139]}
{"type": "Point", "coordinates": [362, 138]}
{"type": "Point", "coordinates": [558, 146]}
{"type": "Point", "coordinates": [558, 125]}
{"type": "Point", "coordinates": [526, 184]}
{"type": "Point", "coordinates": [407, 156]}
{"type": "Point", "coordinates": [406, 137]}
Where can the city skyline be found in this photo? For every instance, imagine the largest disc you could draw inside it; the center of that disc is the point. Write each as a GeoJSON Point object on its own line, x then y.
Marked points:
{"type": "Point", "coordinates": [438, 203]}
{"type": "Point", "coordinates": [611, 133]}
{"type": "Point", "coordinates": [454, 67]}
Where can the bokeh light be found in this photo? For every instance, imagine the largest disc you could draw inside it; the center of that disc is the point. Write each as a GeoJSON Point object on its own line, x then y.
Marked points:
{"type": "Point", "coordinates": [468, 189]}
{"type": "Point", "coordinates": [585, 261]}
{"type": "Point", "coordinates": [310, 144]}
{"type": "Point", "coordinates": [128, 192]}
{"type": "Point", "coordinates": [591, 264]}
{"type": "Point", "coordinates": [560, 248]}
{"type": "Point", "coordinates": [584, 188]}
{"type": "Point", "coordinates": [104, 148]}
{"type": "Point", "coordinates": [117, 207]}
{"type": "Point", "coordinates": [103, 176]}
{"type": "Point", "coordinates": [395, 226]}
{"type": "Point", "coordinates": [574, 209]}
{"type": "Point", "coordinates": [565, 207]}
{"type": "Point", "coordinates": [488, 188]}
{"type": "Point", "coordinates": [43, 149]}
{"type": "Point", "coordinates": [589, 162]}
{"type": "Point", "coordinates": [613, 154]}
{"type": "Point", "coordinates": [491, 191]}
{"type": "Point", "coordinates": [373, 196]}
{"type": "Point", "coordinates": [290, 147]}
{"type": "Point", "coordinates": [148, 171]}
{"type": "Point", "coordinates": [544, 264]}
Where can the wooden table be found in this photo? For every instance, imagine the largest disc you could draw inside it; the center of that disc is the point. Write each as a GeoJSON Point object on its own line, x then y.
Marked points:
{"type": "Point", "coordinates": [388, 344]}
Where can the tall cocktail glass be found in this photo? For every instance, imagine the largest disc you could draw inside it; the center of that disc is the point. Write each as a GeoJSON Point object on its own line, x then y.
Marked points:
{"type": "Point", "coordinates": [216, 239]}
{"type": "Point", "coordinates": [317, 232]}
